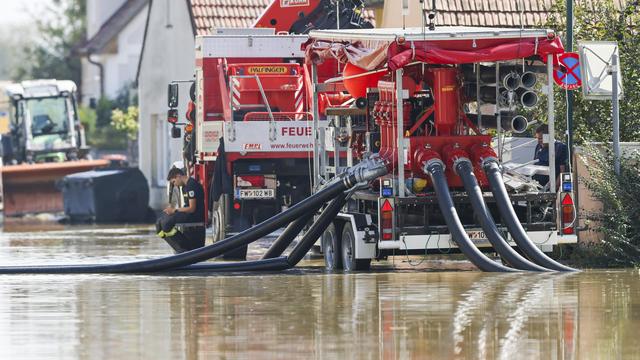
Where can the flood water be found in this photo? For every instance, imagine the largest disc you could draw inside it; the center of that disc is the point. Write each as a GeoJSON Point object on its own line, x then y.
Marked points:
{"type": "Point", "coordinates": [402, 313]}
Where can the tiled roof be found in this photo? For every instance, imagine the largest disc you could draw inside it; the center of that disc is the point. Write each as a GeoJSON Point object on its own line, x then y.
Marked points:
{"type": "Point", "coordinates": [209, 14]}
{"type": "Point", "coordinates": [498, 13]}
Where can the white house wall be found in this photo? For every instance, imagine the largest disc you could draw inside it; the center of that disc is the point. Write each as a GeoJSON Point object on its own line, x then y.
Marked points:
{"type": "Point", "coordinates": [168, 55]}
{"type": "Point", "coordinates": [120, 68]}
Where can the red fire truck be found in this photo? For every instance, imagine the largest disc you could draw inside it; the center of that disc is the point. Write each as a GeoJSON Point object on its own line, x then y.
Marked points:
{"type": "Point", "coordinates": [436, 104]}
{"type": "Point", "coordinates": [248, 139]}
{"type": "Point", "coordinates": [278, 115]}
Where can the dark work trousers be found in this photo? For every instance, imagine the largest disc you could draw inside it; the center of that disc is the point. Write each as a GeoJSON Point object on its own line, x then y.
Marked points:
{"type": "Point", "coordinates": [167, 222]}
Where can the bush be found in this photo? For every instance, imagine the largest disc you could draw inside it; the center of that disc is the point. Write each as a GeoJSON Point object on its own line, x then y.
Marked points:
{"type": "Point", "coordinates": [126, 122]}
{"type": "Point", "coordinates": [619, 222]}
{"type": "Point", "coordinates": [101, 137]}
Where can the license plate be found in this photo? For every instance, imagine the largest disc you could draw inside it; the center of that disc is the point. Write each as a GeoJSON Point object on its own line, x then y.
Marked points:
{"type": "Point", "coordinates": [478, 237]}
{"type": "Point", "coordinates": [256, 194]}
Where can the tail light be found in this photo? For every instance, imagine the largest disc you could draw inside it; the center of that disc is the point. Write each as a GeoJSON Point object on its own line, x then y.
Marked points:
{"type": "Point", "coordinates": [256, 181]}
{"type": "Point", "coordinates": [386, 220]}
{"type": "Point", "coordinates": [188, 128]}
{"type": "Point", "coordinates": [172, 116]}
{"type": "Point", "coordinates": [567, 215]}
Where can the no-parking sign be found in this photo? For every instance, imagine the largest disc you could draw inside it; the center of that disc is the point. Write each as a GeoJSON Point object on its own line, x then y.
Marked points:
{"type": "Point", "coordinates": [567, 74]}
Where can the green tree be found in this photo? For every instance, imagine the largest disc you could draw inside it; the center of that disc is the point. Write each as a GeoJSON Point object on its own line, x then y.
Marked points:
{"type": "Point", "coordinates": [601, 20]}
{"type": "Point", "coordinates": [61, 26]}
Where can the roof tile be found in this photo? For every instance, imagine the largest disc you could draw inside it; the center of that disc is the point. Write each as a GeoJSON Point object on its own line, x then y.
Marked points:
{"type": "Point", "coordinates": [498, 13]}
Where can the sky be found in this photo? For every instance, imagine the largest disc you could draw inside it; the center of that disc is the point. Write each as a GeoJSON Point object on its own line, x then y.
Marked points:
{"type": "Point", "coordinates": [15, 31]}
{"type": "Point", "coordinates": [16, 12]}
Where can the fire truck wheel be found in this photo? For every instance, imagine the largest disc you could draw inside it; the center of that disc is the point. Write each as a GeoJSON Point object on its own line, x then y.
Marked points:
{"type": "Point", "coordinates": [349, 261]}
{"type": "Point", "coordinates": [216, 226]}
{"type": "Point", "coordinates": [217, 221]}
{"type": "Point", "coordinates": [331, 248]}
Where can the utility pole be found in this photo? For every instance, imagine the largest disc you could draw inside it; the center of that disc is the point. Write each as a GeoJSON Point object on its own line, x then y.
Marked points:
{"type": "Point", "coordinates": [615, 109]}
{"type": "Point", "coordinates": [569, 47]}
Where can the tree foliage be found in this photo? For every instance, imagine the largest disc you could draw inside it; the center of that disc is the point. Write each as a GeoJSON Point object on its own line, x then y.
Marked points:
{"type": "Point", "coordinates": [61, 26]}
{"type": "Point", "coordinates": [600, 20]}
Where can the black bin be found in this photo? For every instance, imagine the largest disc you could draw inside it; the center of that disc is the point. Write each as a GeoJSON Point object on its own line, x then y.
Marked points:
{"type": "Point", "coordinates": [110, 195]}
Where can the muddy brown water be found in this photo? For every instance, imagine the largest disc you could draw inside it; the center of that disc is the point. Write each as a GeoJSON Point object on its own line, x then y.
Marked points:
{"type": "Point", "coordinates": [397, 311]}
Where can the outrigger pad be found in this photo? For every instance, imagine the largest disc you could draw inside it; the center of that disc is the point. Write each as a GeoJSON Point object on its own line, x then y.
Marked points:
{"type": "Point", "coordinates": [187, 238]}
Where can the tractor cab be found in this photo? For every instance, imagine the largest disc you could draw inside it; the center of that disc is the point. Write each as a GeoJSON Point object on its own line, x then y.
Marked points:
{"type": "Point", "coordinates": [43, 123]}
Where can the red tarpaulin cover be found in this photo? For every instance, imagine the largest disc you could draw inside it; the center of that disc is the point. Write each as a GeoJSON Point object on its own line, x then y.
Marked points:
{"type": "Point", "coordinates": [439, 53]}
{"type": "Point", "coordinates": [374, 54]}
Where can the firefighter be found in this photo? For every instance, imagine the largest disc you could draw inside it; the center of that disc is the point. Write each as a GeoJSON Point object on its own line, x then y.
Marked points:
{"type": "Point", "coordinates": [542, 155]}
{"type": "Point", "coordinates": [193, 212]}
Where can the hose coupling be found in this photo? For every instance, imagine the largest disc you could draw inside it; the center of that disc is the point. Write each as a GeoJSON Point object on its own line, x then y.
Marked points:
{"type": "Point", "coordinates": [432, 165]}
{"type": "Point", "coordinates": [366, 170]}
{"type": "Point", "coordinates": [459, 161]}
{"type": "Point", "coordinates": [487, 161]}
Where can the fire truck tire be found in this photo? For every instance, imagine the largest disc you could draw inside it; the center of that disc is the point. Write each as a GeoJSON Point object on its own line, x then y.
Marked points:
{"type": "Point", "coordinates": [349, 261]}
{"type": "Point", "coordinates": [217, 221]}
{"type": "Point", "coordinates": [331, 248]}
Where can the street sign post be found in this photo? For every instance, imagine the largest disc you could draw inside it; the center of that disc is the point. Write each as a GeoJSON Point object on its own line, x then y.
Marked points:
{"type": "Point", "coordinates": [603, 80]}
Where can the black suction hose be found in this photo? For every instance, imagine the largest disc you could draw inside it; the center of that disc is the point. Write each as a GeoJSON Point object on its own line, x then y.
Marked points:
{"type": "Point", "coordinates": [284, 240]}
{"type": "Point", "coordinates": [492, 169]}
{"type": "Point", "coordinates": [366, 170]}
{"type": "Point", "coordinates": [435, 168]}
{"type": "Point", "coordinates": [316, 230]}
{"type": "Point", "coordinates": [464, 169]}
{"type": "Point", "coordinates": [281, 262]}
{"type": "Point", "coordinates": [197, 255]}
{"type": "Point", "coordinates": [274, 264]}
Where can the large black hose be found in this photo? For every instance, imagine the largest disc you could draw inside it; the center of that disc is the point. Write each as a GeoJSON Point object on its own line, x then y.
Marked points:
{"type": "Point", "coordinates": [464, 169]}
{"type": "Point", "coordinates": [284, 240]}
{"type": "Point", "coordinates": [316, 230]}
{"type": "Point", "coordinates": [191, 257]}
{"type": "Point", "coordinates": [366, 170]}
{"type": "Point", "coordinates": [281, 262]}
{"type": "Point", "coordinates": [435, 168]}
{"type": "Point", "coordinates": [492, 169]}
{"type": "Point", "coordinates": [274, 264]}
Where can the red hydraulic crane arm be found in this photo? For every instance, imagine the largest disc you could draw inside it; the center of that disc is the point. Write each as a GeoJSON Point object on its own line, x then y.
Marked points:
{"type": "Point", "coordinates": [282, 14]}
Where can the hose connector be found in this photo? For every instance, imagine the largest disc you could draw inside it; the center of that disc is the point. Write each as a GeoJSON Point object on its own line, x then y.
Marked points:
{"type": "Point", "coordinates": [452, 153]}
{"type": "Point", "coordinates": [483, 153]}
{"type": "Point", "coordinates": [365, 171]}
{"type": "Point", "coordinates": [433, 165]}
{"type": "Point", "coordinates": [459, 161]}
{"type": "Point", "coordinates": [488, 161]}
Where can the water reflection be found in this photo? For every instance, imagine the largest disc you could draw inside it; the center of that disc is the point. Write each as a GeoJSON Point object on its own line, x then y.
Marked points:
{"type": "Point", "coordinates": [306, 313]}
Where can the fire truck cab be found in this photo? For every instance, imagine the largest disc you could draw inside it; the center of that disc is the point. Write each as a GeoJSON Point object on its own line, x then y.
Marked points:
{"type": "Point", "coordinates": [248, 140]}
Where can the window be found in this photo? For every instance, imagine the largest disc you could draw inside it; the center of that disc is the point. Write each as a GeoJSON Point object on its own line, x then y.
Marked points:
{"type": "Point", "coordinates": [48, 115]}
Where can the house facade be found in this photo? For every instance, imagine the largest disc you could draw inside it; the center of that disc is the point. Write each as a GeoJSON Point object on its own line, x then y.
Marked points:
{"type": "Point", "coordinates": [111, 54]}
